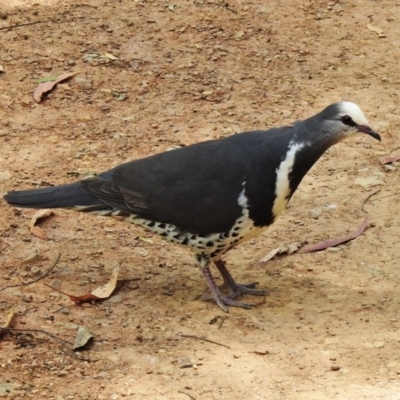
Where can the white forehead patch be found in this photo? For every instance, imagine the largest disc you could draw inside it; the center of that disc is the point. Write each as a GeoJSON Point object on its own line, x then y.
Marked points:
{"type": "Point", "coordinates": [353, 111]}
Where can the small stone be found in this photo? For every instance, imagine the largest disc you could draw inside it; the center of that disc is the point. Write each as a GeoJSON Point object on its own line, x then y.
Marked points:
{"type": "Point", "coordinates": [337, 297]}
{"type": "Point", "coordinates": [368, 181]}
{"type": "Point", "coordinates": [167, 369]}
{"type": "Point", "coordinates": [335, 368]}
{"type": "Point", "coordinates": [389, 168]}
{"type": "Point", "coordinates": [393, 365]}
{"type": "Point", "coordinates": [239, 35]}
{"type": "Point", "coordinates": [83, 82]}
{"type": "Point", "coordinates": [5, 175]}
{"type": "Point", "coordinates": [315, 213]}
{"type": "Point", "coordinates": [379, 345]}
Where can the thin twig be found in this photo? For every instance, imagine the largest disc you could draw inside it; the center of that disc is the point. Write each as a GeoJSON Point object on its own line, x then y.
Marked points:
{"type": "Point", "coordinates": [40, 22]}
{"type": "Point", "coordinates": [35, 280]}
{"type": "Point", "coordinates": [223, 319]}
{"type": "Point", "coordinates": [368, 197]}
{"type": "Point", "coordinates": [5, 231]}
{"type": "Point", "coordinates": [187, 394]}
{"type": "Point", "coordinates": [384, 197]}
{"type": "Point", "coordinates": [5, 247]}
{"type": "Point", "coordinates": [37, 331]}
{"type": "Point", "coordinates": [205, 340]}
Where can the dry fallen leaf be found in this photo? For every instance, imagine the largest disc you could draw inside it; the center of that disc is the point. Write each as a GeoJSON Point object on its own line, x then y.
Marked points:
{"type": "Point", "coordinates": [9, 318]}
{"type": "Point", "coordinates": [103, 292]}
{"type": "Point", "coordinates": [106, 290]}
{"type": "Point", "coordinates": [45, 87]}
{"type": "Point", "coordinates": [110, 56]}
{"type": "Point", "coordinates": [286, 249]}
{"type": "Point", "coordinates": [389, 159]}
{"type": "Point", "coordinates": [377, 30]}
{"type": "Point", "coordinates": [336, 241]}
{"type": "Point", "coordinates": [38, 232]}
{"type": "Point", "coordinates": [367, 181]}
{"type": "Point", "coordinates": [32, 259]}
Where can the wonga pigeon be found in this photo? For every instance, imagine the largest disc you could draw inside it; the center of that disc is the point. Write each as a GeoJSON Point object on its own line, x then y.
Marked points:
{"type": "Point", "coordinates": [212, 195]}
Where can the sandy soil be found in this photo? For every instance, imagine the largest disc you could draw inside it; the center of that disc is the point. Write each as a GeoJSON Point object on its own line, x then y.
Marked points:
{"type": "Point", "coordinates": [188, 71]}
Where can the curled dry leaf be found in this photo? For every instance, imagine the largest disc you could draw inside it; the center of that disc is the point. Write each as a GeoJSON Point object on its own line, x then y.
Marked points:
{"type": "Point", "coordinates": [336, 241]}
{"type": "Point", "coordinates": [103, 292]}
{"type": "Point", "coordinates": [38, 232]}
{"type": "Point", "coordinates": [106, 290]}
{"type": "Point", "coordinates": [32, 259]}
{"type": "Point", "coordinates": [286, 249]}
{"type": "Point", "coordinates": [45, 87]}
{"type": "Point", "coordinates": [377, 30]}
{"type": "Point", "coordinates": [389, 159]}
{"type": "Point", "coordinates": [8, 320]}
{"type": "Point", "coordinates": [110, 56]}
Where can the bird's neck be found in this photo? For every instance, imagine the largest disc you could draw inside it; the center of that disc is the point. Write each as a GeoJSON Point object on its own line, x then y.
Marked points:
{"type": "Point", "coordinates": [301, 156]}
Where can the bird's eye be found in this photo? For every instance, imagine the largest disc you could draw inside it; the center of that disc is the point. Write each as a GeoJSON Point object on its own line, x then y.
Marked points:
{"type": "Point", "coordinates": [348, 121]}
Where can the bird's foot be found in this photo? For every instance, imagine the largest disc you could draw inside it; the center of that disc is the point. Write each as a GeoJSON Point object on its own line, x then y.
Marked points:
{"type": "Point", "coordinates": [237, 289]}
{"type": "Point", "coordinates": [223, 301]}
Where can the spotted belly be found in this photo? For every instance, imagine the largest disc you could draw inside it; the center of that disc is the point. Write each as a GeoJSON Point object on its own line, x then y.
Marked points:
{"type": "Point", "coordinates": [211, 245]}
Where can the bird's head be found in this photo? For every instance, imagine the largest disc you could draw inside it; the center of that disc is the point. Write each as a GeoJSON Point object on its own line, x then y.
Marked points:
{"type": "Point", "coordinates": [346, 119]}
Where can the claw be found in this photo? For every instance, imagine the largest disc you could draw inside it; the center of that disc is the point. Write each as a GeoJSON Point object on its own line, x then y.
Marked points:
{"type": "Point", "coordinates": [234, 289]}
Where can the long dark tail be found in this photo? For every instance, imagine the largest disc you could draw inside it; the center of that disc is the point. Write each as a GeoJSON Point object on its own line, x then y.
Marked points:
{"type": "Point", "coordinates": [70, 195]}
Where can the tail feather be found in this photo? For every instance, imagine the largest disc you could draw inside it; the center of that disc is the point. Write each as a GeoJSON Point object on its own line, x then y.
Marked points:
{"type": "Point", "coordinates": [63, 196]}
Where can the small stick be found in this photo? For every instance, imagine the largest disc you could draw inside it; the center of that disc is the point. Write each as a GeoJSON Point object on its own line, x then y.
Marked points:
{"type": "Point", "coordinates": [37, 331]}
{"type": "Point", "coordinates": [368, 197]}
{"type": "Point", "coordinates": [35, 280]}
{"type": "Point", "coordinates": [38, 22]}
{"type": "Point", "coordinates": [223, 319]}
{"type": "Point", "coordinates": [187, 394]}
{"type": "Point", "coordinates": [5, 247]}
{"type": "Point", "coordinates": [205, 340]}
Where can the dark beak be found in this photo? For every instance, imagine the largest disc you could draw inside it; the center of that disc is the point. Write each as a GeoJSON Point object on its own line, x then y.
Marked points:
{"type": "Point", "coordinates": [366, 129]}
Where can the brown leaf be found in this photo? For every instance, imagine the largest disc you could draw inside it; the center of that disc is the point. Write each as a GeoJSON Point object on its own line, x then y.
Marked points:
{"type": "Point", "coordinates": [45, 87]}
{"type": "Point", "coordinates": [76, 299]}
{"type": "Point", "coordinates": [103, 292]}
{"type": "Point", "coordinates": [336, 241]}
{"type": "Point", "coordinates": [389, 159]}
{"type": "Point", "coordinates": [32, 258]}
{"type": "Point", "coordinates": [9, 318]}
{"type": "Point", "coordinates": [261, 353]}
{"type": "Point", "coordinates": [106, 290]}
{"type": "Point", "coordinates": [377, 30]}
{"type": "Point", "coordinates": [285, 249]}
{"type": "Point", "coordinates": [35, 230]}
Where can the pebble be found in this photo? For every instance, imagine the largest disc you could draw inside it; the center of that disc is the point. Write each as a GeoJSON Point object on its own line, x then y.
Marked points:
{"type": "Point", "coordinates": [5, 175]}
{"type": "Point", "coordinates": [393, 365]}
{"type": "Point", "coordinates": [315, 213]}
{"type": "Point", "coordinates": [83, 82]}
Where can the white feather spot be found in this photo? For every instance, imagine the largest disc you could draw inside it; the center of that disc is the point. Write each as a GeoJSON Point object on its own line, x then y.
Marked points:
{"type": "Point", "coordinates": [353, 111]}
{"type": "Point", "coordinates": [282, 185]}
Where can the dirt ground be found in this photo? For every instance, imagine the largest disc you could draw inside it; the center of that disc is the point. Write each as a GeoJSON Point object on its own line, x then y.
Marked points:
{"type": "Point", "coordinates": [188, 71]}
